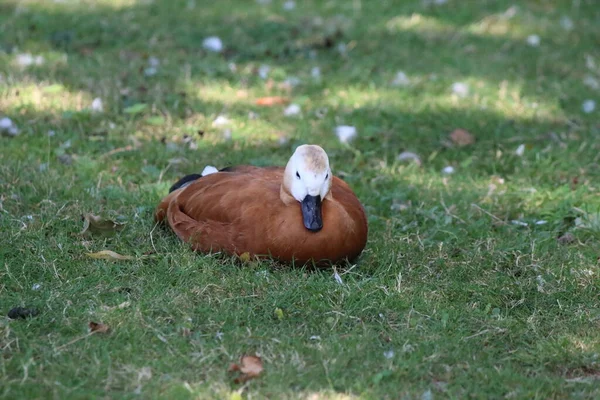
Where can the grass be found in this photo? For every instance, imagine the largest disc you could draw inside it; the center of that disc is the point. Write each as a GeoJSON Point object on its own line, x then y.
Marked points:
{"type": "Point", "coordinates": [451, 298]}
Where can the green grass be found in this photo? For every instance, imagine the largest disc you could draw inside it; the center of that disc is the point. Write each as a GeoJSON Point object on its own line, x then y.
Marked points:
{"type": "Point", "coordinates": [471, 304]}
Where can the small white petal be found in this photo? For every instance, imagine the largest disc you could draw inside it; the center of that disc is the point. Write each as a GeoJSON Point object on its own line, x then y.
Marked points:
{"type": "Point", "coordinates": [97, 105]}
{"type": "Point", "coordinates": [510, 12]}
{"type": "Point", "coordinates": [150, 71]}
{"type": "Point", "coordinates": [520, 150]}
{"type": "Point", "coordinates": [221, 120]}
{"type": "Point", "coordinates": [209, 169]}
{"type": "Point", "coordinates": [388, 354]}
{"type": "Point", "coordinates": [36, 286]}
{"type": "Point", "coordinates": [263, 71]}
{"type": "Point", "coordinates": [533, 40]}
{"type": "Point", "coordinates": [293, 81]}
{"type": "Point", "coordinates": [153, 61]}
{"type": "Point", "coordinates": [588, 106]}
{"type": "Point", "coordinates": [591, 82]}
{"type": "Point", "coordinates": [25, 59]}
{"type": "Point", "coordinates": [448, 170]}
{"type": "Point", "coordinates": [315, 72]}
{"type": "Point", "coordinates": [289, 5]}
{"type": "Point", "coordinates": [541, 222]}
{"type": "Point", "coordinates": [345, 133]}
{"type": "Point", "coordinates": [427, 395]}
{"type": "Point", "coordinates": [590, 63]}
{"type": "Point", "coordinates": [401, 79]}
{"type": "Point", "coordinates": [292, 110]}
{"type": "Point", "coordinates": [5, 123]}
{"type": "Point", "coordinates": [13, 131]}
{"type": "Point", "coordinates": [409, 156]}
{"type": "Point", "coordinates": [51, 133]}
{"type": "Point", "coordinates": [519, 223]}
{"type": "Point", "coordinates": [315, 337]}
{"type": "Point", "coordinates": [566, 23]}
{"type": "Point", "coordinates": [219, 335]}
{"type": "Point", "coordinates": [213, 44]}
{"type": "Point", "coordinates": [460, 89]}
{"type": "Point", "coordinates": [338, 278]}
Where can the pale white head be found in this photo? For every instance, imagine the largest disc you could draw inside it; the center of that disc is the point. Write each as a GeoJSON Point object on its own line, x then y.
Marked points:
{"type": "Point", "coordinates": [308, 179]}
{"type": "Point", "coordinates": [308, 173]}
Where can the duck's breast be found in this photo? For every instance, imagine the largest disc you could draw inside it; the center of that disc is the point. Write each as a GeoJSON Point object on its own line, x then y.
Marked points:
{"type": "Point", "coordinates": [344, 232]}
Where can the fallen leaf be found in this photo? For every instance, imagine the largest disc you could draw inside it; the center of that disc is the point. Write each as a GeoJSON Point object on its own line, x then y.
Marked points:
{"type": "Point", "coordinates": [279, 313]}
{"type": "Point", "coordinates": [272, 101]}
{"type": "Point", "coordinates": [567, 238]}
{"type": "Point", "coordinates": [22, 312]}
{"type": "Point", "coordinates": [249, 366]}
{"type": "Point", "coordinates": [235, 396]}
{"type": "Point", "coordinates": [109, 255]}
{"type": "Point", "coordinates": [245, 257]}
{"type": "Point", "coordinates": [98, 327]}
{"type": "Point", "coordinates": [97, 225]}
{"type": "Point", "coordinates": [461, 137]}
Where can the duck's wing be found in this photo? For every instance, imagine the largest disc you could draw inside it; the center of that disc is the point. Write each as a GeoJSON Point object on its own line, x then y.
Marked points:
{"type": "Point", "coordinates": [215, 211]}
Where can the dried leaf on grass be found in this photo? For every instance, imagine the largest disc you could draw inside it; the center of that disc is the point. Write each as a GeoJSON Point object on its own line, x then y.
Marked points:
{"type": "Point", "coordinates": [272, 101]}
{"type": "Point", "coordinates": [97, 327]}
{"type": "Point", "coordinates": [461, 137]}
{"type": "Point", "coordinates": [94, 224]}
{"type": "Point", "coordinates": [250, 367]}
{"type": "Point", "coordinates": [109, 255]}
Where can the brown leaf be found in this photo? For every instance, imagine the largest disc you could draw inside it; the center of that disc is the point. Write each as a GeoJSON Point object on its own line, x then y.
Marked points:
{"type": "Point", "coordinates": [109, 255]}
{"type": "Point", "coordinates": [250, 367]}
{"type": "Point", "coordinates": [94, 224]}
{"type": "Point", "coordinates": [272, 101]}
{"type": "Point", "coordinates": [567, 238]}
{"type": "Point", "coordinates": [98, 327]}
{"type": "Point", "coordinates": [461, 137]}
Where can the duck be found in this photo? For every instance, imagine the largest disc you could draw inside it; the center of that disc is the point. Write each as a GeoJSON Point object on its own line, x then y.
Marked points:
{"type": "Point", "coordinates": [297, 214]}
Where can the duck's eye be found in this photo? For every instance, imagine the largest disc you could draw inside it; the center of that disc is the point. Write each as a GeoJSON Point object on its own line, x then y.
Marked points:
{"type": "Point", "coordinates": [297, 175]}
{"type": "Point", "coordinates": [327, 176]}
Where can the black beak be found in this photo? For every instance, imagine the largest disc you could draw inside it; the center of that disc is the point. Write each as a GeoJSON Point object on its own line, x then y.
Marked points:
{"type": "Point", "coordinates": [311, 213]}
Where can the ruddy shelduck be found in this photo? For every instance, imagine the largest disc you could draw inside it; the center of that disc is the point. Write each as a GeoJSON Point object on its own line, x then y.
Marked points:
{"type": "Point", "coordinates": [300, 213]}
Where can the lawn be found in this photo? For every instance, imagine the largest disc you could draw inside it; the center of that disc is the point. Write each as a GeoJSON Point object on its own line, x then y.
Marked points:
{"type": "Point", "coordinates": [480, 278]}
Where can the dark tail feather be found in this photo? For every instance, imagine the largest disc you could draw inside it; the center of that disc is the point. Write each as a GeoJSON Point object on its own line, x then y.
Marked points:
{"type": "Point", "coordinates": [186, 180]}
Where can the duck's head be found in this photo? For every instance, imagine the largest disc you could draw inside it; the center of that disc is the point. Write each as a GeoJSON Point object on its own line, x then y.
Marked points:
{"type": "Point", "coordinates": [307, 179]}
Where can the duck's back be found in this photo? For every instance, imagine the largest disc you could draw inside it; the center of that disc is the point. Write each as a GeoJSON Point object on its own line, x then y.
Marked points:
{"type": "Point", "coordinates": [240, 211]}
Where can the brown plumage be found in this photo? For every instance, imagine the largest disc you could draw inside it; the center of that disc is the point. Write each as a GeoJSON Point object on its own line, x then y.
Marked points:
{"type": "Point", "coordinates": [252, 210]}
